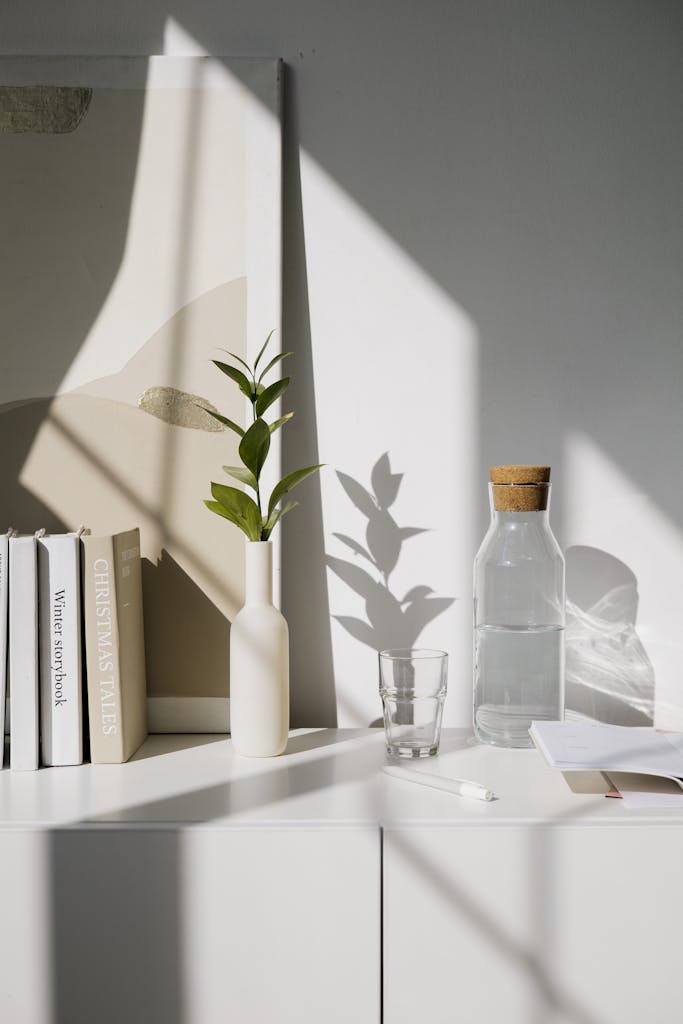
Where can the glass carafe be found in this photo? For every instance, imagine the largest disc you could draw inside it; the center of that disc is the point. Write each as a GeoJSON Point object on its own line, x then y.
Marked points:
{"type": "Point", "coordinates": [519, 611]}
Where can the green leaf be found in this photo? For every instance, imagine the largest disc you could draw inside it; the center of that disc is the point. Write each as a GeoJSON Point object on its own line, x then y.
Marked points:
{"type": "Point", "coordinates": [278, 423]}
{"type": "Point", "coordinates": [238, 358]}
{"type": "Point", "coordinates": [254, 446]}
{"type": "Point", "coordinates": [241, 473]}
{"type": "Point", "coordinates": [245, 385]}
{"type": "Point", "coordinates": [275, 518]}
{"type": "Point", "coordinates": [243, 508]}
{"type": "Point", "coordinates": [270, 395]}
{"type": "Point", "coordinates": [287, 483]}
{"type": "Point", "coordinates": [265, 345]}
{"type": "Point", "coordinates": [215, 506]}
{"type": "Point", "coordinates": [222, 419]}
{"type": "Point", "coordinates": [273, 361]}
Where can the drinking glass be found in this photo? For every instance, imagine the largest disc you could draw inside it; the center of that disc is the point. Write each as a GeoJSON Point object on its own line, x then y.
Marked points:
{"type": "Point", "coordinates": [412, 684]}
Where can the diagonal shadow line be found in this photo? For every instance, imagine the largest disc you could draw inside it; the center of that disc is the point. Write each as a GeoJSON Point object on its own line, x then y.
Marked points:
{"type": "Point", "coordinates": [525, 958]}
{"type": "Point", "coordinates": [251, 792]}
{"type": "Point", "coordinates": [370, 192]}
{"type": "Point", "coordinates": [96, 462]}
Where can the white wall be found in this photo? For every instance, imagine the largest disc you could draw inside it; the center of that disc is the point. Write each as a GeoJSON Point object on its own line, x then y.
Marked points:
{"type": "Point", "coordinates": [483, 253]}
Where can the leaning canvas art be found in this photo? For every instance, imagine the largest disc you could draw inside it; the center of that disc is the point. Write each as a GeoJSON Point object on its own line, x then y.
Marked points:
{"type": "Point", "coordinates": [141, 235]}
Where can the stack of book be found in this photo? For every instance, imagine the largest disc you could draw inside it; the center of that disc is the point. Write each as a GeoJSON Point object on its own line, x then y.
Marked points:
{"type": "Point", "coordinates": [72, 647]}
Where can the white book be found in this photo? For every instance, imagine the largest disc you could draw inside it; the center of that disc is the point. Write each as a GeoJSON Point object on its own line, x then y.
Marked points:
{"type": "Point", "coordinates": [4, 584]}
{"type": "Point", "coordinates": [595, 746]}
{"type": "Point", "coordinates": [59, 602]}
{"type": "Point", "coordinates": [23, 653]}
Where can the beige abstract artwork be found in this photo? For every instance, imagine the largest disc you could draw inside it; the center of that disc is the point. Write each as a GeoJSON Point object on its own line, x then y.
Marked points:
{"type": "Point", "coordinates": [141, 204]}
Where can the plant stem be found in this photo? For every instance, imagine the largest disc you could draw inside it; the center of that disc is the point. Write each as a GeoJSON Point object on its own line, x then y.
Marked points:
{"type": "Point", "coordinates": [258, 489]}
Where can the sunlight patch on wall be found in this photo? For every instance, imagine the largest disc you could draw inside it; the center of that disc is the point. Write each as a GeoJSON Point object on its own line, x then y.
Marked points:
{"type": "Point", "coordinates": [179, 43]}
{"type": "Point", "coordinates": [395, 364]}
{"type": "Point", "coordinates": [608, 512]}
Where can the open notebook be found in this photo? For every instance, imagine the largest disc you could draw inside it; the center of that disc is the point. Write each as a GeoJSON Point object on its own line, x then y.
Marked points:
{"type": "Point", "coordinates": [615, 749]}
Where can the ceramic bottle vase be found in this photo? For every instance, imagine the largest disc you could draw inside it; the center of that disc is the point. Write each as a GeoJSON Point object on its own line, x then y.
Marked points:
{"type": "Point", "coordinates": [259, 663]}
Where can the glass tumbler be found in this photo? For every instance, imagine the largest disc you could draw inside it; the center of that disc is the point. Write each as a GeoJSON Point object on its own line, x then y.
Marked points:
{"type": "Point", "coordinates": [412, 685]}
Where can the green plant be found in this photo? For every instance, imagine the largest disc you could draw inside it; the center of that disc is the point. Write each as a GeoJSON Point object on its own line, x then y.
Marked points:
{"type": "Point", "coordinates": [233, 504]}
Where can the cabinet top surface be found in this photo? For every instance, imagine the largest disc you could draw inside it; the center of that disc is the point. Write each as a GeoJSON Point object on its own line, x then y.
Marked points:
{"type": "Point", "coordinates": [328, 778]}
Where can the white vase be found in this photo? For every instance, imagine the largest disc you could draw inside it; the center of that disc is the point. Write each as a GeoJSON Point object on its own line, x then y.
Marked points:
{"type": "Point", "coordinates": [259, 663]}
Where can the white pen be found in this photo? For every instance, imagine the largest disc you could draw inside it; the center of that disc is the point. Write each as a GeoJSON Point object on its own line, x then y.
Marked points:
{"type": "Point", "coordinates": [460, 787]}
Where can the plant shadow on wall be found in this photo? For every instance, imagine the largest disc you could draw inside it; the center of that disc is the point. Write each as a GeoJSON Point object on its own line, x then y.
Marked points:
{"type": "Point", "coordinates": [390, 620]}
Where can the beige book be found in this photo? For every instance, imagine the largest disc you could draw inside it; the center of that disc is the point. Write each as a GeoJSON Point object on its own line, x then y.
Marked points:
{"type": "Point", "coordinates": [114, 646]}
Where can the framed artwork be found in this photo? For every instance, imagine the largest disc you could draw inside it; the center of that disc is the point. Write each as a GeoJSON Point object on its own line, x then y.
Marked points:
{"type": "Point", "coordinates": [141, 210]}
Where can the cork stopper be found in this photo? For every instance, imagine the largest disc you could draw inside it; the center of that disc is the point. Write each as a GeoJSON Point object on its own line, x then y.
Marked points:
{"type": "Point", "coordinates": [520, 488]}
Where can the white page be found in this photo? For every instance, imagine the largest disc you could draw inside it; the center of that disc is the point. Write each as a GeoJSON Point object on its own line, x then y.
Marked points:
{"type": "Point", "coordinates": [595, 746]}
{"type": "Point", "coordinates": [662, 801]}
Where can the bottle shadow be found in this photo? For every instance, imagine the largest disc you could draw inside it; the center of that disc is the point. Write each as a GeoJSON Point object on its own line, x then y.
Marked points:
{"type": "Point", "coordinates": [609, 676]}
{"type": "Point", "coordinates": [390, 620]}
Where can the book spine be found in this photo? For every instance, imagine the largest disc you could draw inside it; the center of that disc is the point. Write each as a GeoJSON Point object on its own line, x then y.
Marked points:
{"type": "Point", "coordinates": [4, 625]}
{"type": "Point", "coordinates": [60, 650]}
{"type": "Point", "coordinates": [23, 653]}
{"type": "Point", "coordinates": [102, 651]}
{"type": "Point", "coordinates": [131, 633]}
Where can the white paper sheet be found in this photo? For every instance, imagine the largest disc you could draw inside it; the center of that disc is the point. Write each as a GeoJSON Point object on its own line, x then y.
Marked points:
{"type": "Point", "coordinates": [599, 747]}
{"type": "Point", "coordinates": [663, 801]}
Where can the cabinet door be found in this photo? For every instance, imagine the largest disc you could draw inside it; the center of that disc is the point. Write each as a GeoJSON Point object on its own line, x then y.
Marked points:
{"type": "Point", "coordinates": [90, 927]}
{"type": "Point", "coordinates": [532, 925]}
{"type": "Point", "coordinates": [282, 926]}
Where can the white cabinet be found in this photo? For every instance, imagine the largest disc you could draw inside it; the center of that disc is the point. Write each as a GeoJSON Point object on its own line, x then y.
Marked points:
{"type": "Point", "coordinates": [190, 886]}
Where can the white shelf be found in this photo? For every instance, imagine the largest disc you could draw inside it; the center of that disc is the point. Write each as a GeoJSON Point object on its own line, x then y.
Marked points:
{"type": "Point", "coordinates": [329, 778]}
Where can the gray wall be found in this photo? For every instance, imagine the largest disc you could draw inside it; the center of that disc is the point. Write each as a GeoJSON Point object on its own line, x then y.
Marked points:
{"type": "Point", "coordinates": [527, 159]}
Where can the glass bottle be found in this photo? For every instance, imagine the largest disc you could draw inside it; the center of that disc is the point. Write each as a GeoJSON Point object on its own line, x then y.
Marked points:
{"type": "Point", "coordinates": [519, 611]}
